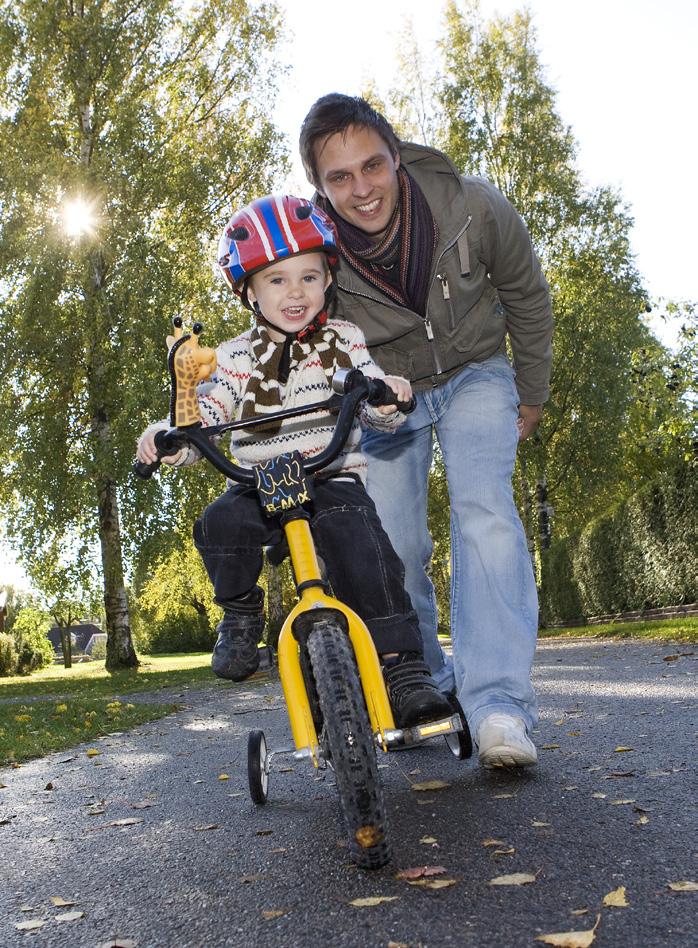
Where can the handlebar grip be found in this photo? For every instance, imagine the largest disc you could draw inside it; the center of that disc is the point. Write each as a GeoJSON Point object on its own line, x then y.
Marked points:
{"type": "Point", "coordinates": [381, 394]}
{"type": "Point", "coordinates": [145, 471]}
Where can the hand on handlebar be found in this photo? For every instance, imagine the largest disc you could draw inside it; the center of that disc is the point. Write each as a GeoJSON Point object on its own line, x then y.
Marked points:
{"type": "Point", "coordinates": [147, 453]}
{"type": "Point", "coordinates": [403, 392]}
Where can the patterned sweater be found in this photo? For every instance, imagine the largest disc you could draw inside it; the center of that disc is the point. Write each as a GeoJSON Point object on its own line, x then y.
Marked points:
{"type": "Point", "coordinates": [220, 401]}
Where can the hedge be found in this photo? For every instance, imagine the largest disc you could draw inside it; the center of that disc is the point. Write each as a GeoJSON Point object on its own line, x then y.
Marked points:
{"type": "Point", "coordinates": [643, 554]}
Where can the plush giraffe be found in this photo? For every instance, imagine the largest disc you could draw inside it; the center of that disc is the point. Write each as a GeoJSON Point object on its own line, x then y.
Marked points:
{"type": "Point", "coordinates": [189, 364]}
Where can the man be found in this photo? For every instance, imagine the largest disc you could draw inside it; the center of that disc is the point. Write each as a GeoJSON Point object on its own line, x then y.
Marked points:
{"type": "Point", "coordinates": [437, 270]}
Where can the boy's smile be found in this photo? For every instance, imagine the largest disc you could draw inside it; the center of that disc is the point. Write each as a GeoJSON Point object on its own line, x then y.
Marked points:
{"type": "Point", "coordinates": [290, 292]}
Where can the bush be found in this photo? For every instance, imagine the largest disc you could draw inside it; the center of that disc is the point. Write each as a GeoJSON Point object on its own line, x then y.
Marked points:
{"type": "Point", "coordinates": [8, 655]}
{"type": "Point", "coordinates": [641, 555]}
{"type": "Point", "coordinates": [34, 649]}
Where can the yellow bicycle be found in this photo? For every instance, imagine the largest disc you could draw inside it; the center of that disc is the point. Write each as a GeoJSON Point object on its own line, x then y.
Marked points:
{"type": "Point", "coordinates": [331, 676]}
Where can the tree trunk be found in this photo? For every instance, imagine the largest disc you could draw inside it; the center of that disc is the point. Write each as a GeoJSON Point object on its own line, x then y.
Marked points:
{"type": "Point", "coordinates": [120, 650]}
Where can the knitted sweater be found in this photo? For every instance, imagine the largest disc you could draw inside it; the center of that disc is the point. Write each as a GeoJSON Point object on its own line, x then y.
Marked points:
{"type": "Point", "coordinates": [220, 401]}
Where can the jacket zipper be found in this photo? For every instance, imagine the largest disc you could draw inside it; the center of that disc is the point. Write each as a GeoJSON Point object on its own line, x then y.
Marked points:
{"type": "Point", "coordinates": [447, 296]}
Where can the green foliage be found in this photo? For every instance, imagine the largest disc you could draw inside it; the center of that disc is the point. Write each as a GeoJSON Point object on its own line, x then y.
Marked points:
{"type": "Point", "coordinates": [8, 655]}
{"type": "Point", "coordinates": [157, 118]}
{"type": "Point", "coordinates": [34, 650]}
{"type": "Point", "coordinates": [643, 554]}
{"type": "Point", "coordinates": [175, 610]}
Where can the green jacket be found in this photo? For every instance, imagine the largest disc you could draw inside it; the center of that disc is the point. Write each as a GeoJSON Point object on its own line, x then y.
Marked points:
{"type": "Point", "coordinates": [486, 281]}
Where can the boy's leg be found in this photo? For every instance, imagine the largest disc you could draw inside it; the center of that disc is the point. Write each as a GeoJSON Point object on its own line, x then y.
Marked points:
{"type": "Point", "coordinates": [368, 576]}
{"type": "Point", "coordinates": [230, 535]}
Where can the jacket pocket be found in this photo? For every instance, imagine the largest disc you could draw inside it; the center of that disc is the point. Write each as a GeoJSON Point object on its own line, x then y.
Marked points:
{"type": "Point", "coordinates": [393, 361]}
{"type": "Point", "coordinates": [481, 319]}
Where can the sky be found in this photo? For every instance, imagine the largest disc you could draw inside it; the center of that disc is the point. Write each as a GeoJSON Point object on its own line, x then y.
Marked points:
{"type": "Point", "coordinates": [626, 76]}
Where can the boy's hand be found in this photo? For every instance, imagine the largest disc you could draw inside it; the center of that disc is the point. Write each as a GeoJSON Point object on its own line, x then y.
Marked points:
{"type": "Point", "coordinates": [402, 389]}
{"type": "Point", "coordinates": [145, 450]}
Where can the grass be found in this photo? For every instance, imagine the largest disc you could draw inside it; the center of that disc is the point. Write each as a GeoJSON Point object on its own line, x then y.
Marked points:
{"type": "Point", "coordinates": [92, 680]}
{"type": "Point", "coordinates": [683, 629]}
{"type": "Point", "coordinates": [42, 727]}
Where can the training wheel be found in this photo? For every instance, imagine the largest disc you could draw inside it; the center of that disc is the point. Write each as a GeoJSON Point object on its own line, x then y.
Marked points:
{"type": "Point", "coordinates": [258, 766]}
{"type": "Point", "coordinates": [460, 744]}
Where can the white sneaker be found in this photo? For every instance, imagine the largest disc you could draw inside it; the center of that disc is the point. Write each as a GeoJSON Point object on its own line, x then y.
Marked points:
{"type": "Point", "coordinates": [502, 742]}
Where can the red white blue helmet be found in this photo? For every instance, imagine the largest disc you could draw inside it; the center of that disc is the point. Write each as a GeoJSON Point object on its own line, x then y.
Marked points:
{"type": "Point", "coordinates": [270, 229]}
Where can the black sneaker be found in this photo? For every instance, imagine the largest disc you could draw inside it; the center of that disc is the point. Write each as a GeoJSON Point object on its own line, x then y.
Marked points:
{"type": "Point", "coordinates": [235, 654]}
{"type": "Point", "coordinates": [414, 695]}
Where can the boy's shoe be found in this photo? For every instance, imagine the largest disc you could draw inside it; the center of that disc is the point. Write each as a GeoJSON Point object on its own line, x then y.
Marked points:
{"type": "Point", "coordinates": [502, 742]}
{"type": "Point", "coordinates": [235, 654]}
{"type": "Point", "coordinates": [414, 695]}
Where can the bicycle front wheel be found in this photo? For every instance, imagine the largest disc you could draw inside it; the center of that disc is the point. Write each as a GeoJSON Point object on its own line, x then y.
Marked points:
{"type": "Point", "coordinates": [349, 739]}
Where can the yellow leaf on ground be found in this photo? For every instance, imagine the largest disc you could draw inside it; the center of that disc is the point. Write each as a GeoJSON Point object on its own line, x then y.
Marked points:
{"type": "Point", "coordinates": [273, 913]}
{"type": "Point", "coordinates": [128, 821]}
{"type": "Point", "coordinates": [430, 785]}
{"type": "Point", "coordinates": [143, 805]}
{"type": "Point", "coordinates": [70, 916]}
{"type": "Point", "coordinates": [493, 842]}
{"type": "Point", "coordinates": [616, 898]}
{"type": "Point", "coordinates": [93, 752]}
{"type": "Point", "coordinates": [620, 802]}
{"type": "Point", "coordinates": [516, 878]}
{"type": "Point", "coordinates": [398, 944]}
{"type": "Point", "coordinates": [432, 883]}
{"type": "Point", "coordinates": [599, 796]}
{"type": "Point", "coordinates": [623, 750]}
{"type": "Point", "coordinates": [427, 840]}
{"type": "Point", "coordinates": [57, 900]}
{"type": "Point", "coordinates": [683, 886]}
{"type": "Point", "coordinates": [373, 900]}
{"type": "Point", "coordinates": [504, 852]}
{"type": "Point", "coordinates": [61, 708]}
{"type": "Point", "coordinates": [540, 823]}
{"type": "Point", "coordinates": [223, 777]}
{"type": "Point", "coordinates": [582, 911]}
{"type": "Point", "coordinates": [208, 826]}
{"type": "Point", "coordinates": [549, 747]}
{"type": "Point", "coordinates": [642, 820]}
{"type": "Point", "coordinates": [571, 939]}
{"type": "Point", "coordinates": [419, 872]}
{"type": "Point", "coordinates": [30, 924]}
{"type": "Point", "coordinates": [503, 796]}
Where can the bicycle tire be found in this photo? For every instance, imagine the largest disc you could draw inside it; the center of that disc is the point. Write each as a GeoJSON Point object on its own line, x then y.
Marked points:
{"type": "Point", "coordinates": [347, 732]}
{"type": "Point", "coordinates": [257, 773]}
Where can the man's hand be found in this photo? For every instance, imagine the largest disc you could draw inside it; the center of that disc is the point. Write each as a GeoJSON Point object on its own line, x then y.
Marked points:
{"type": "Point", "coordinates": [529, 416]}
{"type": "Point", "coordinates": [402, 389]}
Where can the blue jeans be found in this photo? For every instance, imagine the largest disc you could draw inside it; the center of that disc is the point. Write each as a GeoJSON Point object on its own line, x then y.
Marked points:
{"type": "Point", "coordinates": [494, 610]}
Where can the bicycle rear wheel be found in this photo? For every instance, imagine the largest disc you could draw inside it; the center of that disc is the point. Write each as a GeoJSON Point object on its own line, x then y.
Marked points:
{"type": "Point", "coordinates": [348, 736]}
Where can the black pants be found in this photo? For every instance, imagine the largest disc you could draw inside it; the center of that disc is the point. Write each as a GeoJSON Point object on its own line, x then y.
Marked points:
{"type": "Point", "coordinates": [363, 568]}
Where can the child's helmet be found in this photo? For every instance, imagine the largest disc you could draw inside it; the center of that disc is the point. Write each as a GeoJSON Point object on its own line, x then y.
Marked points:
{"type": "Point", "coordinates": [269, 229]}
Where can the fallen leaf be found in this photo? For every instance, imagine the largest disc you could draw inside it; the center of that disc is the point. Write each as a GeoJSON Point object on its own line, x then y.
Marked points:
{"type": "Point", "coordinates": [143, 805]}
{"type": "Point", "coordinates": [223, 777]}
{"type": "Point", "coordinates": [432, 883]}
{"type": "Point", "coordinates": [427, 840]}
{"type": "Point", "coordinates": [570, 788]}
{"type": "Point", "coordinates": [430, 785]}
{"type": "Point", "coordinates": [623, 750]}
{"type": "Point", "coordinates": [264, 832]}
{"type": "Point", "coordinates": [273, 913]}
{"type": "Point", "coordinates": [504, 852]}
{"type": "Point", "coordinates": [582, 911]}
{"type": "Point", "coordinates": [97, 811]}
{"type": "Point", "coordinates": [118, 943]}
{"type": "Point", "coordinates": [503, 796]}
{"type": "Point", "coordinates": [30, 924]}
{"type": "Point", "coordinates": [367, 836]}
{"type": "Point", "coordinates": [426, 802]}
{"type": "Point", "coordinates": [61, 903]}
{"type": "Point", "coordinates": [620, 802]}
{"type": "Point", "coordinates": [616, 898]}
{"type": "Point", "coordinates": [207, 826]}
{"type": "Point", "coordinates": [398, 944]}
{"type": "Point", "coordinates": [642, 820]}
{"type": "Point", "coordinates": [280, 849]}
{"type": "Point", "coordinates": [574, 733]}
{"type": "Point", "coordinates": [15, 765]}
{"type": "Point", "coordinates": [671, 658]}
{"type": "Point", "coordinates": [373, 900]}
{"type": "Point", "coordinates": [560, 721]}
{"type": "Point", "coordinates": [70, 916]}
{"type": "Point", "coordinates": [420, 871]}
{"type": "Point", "coordinates": [599, 796]}
{"type": "Point", "coordinates": [49, 786]}
{"type": "Point", "coordinates": [198, 781]}
{"type": "Point", "coordinates": [571, 939]}
{"type": "Point", "coordinates": [93, 752]}
{"type": "Point", "coordinates": [128, 821]}
{"type": "Point", "coordinates": [3, 786]}
{"type": "Point", "coordinates": [26, 908]}
{"type": "Point", "coordinates": [549, 747]}
{"type": "Point", "coordinates": [619, 773]}
{"type": "Point", "coordinates": [516, 878]}
{"type": "Point", "coordinates": [683, 886]}
{"type": "Point", "coordinates": [539, 823]}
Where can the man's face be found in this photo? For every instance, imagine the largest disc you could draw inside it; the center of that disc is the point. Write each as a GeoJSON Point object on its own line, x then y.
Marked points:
{"type": "Point", "coordinates": [357, 173]}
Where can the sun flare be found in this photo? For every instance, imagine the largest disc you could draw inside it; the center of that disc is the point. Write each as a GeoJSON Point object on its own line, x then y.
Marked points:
{"type": "Point", "coordinates": [78, 217]}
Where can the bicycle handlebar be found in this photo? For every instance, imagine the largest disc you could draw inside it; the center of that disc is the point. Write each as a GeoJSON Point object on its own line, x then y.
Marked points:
{"type": "Point", "coordinates": [351, 384]}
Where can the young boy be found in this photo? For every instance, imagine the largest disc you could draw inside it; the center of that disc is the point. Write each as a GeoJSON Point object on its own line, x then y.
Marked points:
{"type": "Point", "coordinates": [279, 255]}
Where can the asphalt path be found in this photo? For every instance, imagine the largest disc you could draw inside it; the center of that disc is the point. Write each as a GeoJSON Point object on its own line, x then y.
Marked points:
{"type": "Point", "coordinates": [205, 867]}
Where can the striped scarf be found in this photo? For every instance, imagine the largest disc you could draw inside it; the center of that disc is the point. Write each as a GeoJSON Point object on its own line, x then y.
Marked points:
{"type": "Point", "coordinates": [400, 264]}
{"type": "Point", "coordinates": [265, 389]}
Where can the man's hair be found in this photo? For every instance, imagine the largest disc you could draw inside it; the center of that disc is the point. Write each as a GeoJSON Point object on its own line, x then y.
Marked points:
{"type": "Point", "coordinates": [335, 113]}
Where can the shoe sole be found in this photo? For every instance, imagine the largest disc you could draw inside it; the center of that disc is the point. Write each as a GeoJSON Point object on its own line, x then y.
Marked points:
{"type": "Point", "coordinates": [503, 756]}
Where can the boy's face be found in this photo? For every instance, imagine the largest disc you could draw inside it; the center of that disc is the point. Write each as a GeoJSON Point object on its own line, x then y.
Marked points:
{"type": "Point", "coordinates": [291, 292]}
